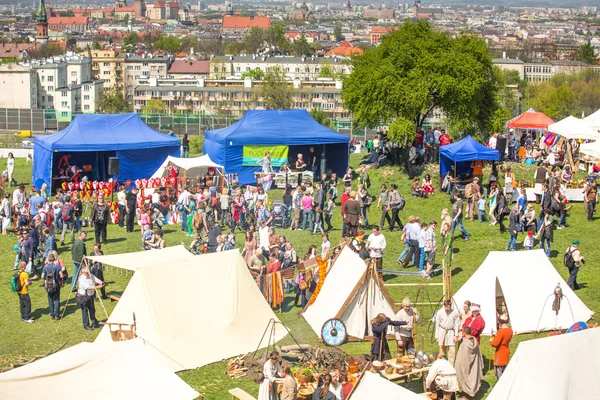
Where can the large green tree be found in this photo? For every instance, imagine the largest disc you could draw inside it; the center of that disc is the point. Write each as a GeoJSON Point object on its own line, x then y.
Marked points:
{"type": "Point", "coordinates": [337, 32]}
{"type": "Point", "coordinates": [276, 91]}
{"type": "Point", "coordinates": [112, 101]}
{"type": "Point", "coordinates": [254, 40]}
{"type": "Point", "coordinates": [155, 106]}
{"type": "Point", "coordinates": [321, 117]}
{"type": "Point", "coordinates": [587, 53]}
{"type": "Point", "coordinates": [168, 43]}
{"type": "Point", "coordinates": [417, 69]}
{"type": "Point", "coordinates": [301, 47]}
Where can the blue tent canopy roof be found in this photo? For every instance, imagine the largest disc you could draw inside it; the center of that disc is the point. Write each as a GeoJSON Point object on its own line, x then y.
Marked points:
{"type": "Point", "coordinates": [105, 132]}
{"type": "Point", "coordinates": [275, 128]}
{"type": "Point", "coordinates": [465, 151]}
{"type": "Point", "coordinates": [268, 127]}
{"type": "Point", "coordinates": [93, 138]}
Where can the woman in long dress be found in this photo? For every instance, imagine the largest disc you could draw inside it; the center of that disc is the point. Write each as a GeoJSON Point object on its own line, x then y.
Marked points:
{"type": "Point", "coordinates": [249, 246]}
{"type": "Point", "coordinates": [10, 168]}
{"type": "Point", "coordinates": [271, 371]}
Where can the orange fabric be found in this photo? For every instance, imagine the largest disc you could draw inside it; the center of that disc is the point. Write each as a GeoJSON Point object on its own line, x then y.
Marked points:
{"type": "Point", "coordinates": [322, 263]}
{"type": "Point", "coordinates": [501, 342]}
{"type": "Point", "coordinates": [477, 167]}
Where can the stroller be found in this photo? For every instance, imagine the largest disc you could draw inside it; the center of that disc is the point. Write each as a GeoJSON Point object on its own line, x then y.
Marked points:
{"type": "Point", "coordinates": [279, 214]}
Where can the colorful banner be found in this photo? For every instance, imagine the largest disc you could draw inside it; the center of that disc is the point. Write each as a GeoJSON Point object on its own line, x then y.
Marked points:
{"type": "Point", "coordinates": [252, 155]}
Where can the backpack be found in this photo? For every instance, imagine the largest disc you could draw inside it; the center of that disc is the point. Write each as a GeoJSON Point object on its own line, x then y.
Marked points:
{"type": "Point", "coordinates": [49, 282]}
{"type": "Point", "coordinates": [401, 203]}
{"type": "Point", "coordinates": [15, 282]}
{"type": "Point", "coordinates": [568, 259]}
{"type": "Point", "coordinates": [67, 212]}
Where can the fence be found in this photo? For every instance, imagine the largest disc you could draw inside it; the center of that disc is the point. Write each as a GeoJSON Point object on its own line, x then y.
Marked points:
{"type": "Point", "coordinates": [50, 121]}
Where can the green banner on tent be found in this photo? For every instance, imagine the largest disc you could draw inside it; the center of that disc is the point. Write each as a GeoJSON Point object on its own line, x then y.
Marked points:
{"type": "Point", "coordinates": [252, 155]}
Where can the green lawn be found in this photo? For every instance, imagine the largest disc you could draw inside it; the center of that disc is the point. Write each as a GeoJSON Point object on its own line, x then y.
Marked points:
{"type": "Point", "coordinates": [20, 342]}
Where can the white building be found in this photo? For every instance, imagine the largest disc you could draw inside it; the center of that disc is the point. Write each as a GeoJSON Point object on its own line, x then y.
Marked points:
{"type": "Point", "coordinates": [19, 87]}
{"type": "Point", "coordinates": [62, 83]}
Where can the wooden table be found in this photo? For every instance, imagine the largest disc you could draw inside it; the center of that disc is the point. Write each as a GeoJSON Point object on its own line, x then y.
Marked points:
{"type": "Point", "coordinates": [407, 375]}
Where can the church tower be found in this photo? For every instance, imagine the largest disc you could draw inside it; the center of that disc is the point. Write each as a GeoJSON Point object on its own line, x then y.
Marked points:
{"type": "Point", "coordinates": [41, 26]}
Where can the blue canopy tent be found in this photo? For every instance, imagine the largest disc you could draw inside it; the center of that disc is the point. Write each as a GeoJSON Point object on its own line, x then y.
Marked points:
{"type": "Point", "coordinates": [91, 139]}
{"type": "Point", "coordinates": [293, 128]}
{"type": "Point", "coordinates": [463, 153]}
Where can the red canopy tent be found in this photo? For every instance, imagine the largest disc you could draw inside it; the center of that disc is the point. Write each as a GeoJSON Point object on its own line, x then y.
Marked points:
{"type": "Point", "coordinates": [531, 120]}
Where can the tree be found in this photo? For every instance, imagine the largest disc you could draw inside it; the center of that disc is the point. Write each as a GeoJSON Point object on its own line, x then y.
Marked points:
{"type": "Point", "coordinates": [96, 45]}
{"type": "Point", "coordinates": [402, 131]}
{"type": "Point", "coordinates": [417, 69]}
{"type": "Point", "coordinates": [9, 60]}
{"type": "Point", "coordinates": [130, 41]}
{"type": "Point", "coordinates": [556, 102]}
{"type": "Point", "coordinates": [276, 93]}
{"type": "Point", "coordinates": [255, 74]}
{"type": "Point", "coordinates": [112, 102]}
{"type": "Point", "coordinates": [321, 117]}
{"type": "Point", "coordinates": [254, 40]}
{"type": "Point", "coordinates": [155, 106]}
{"type": "Point", "coordinates": [301, 47]}
{"type": "Point", "coordinates": [501, 115]}
{"type": "Point", "coordinates": [234, 48]}
{"type": "Point", "coordinates": [587, 53]}
{"type": "Point", "coordinates": [168, 43]}
{"type": "Point", "coordinates": [45, 50]}
{"type": "Point", "coordinates": [337, 32]}
{"type": "Point", "coordinates": [275, 34]}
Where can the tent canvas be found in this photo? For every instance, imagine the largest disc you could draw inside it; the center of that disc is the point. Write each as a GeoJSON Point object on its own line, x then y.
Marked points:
{"type": "Point", "coordinates": [462, 153]}
{"type": "Point", "coordinates": [372, 386]}
{"type": "Point", "coordinates": [531, 120]}
{"type": "Point", "coordinates": [194, 166]}
{"type": "Point", "coordinates": [91, 139]}
{"type": "Point", "coordinates": [593, 120]}
{"type": "Point", "coordinates": [526, 279]}
{"type": "Point", "coordinates": [553, 368]}
{"type": "Point", "coordinates": [591, 149]}
{"type": "Point", "coordinates": [573, 128]}
{"type": "Point", "coordinates": [219, 315]}
{"type": "Point", "coordinates": [352, 293]}
{"type": "Point", "coordinates": [294, 128]}
{"type": "Point", "coordinates": [124, 370]}
{"type": "Point", "coordinates": [138, 259]}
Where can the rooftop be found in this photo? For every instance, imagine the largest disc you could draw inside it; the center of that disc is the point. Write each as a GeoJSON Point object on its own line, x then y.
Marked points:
{"type": "Point", "coordinates": [507, 61]}
{"type": "Point", "coordinates": [230, 21]}
{"type": "Point", "coordinates": [189, 67]}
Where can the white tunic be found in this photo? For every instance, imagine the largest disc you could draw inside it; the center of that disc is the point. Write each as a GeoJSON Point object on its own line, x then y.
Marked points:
{"type": "Point", "coordinates": [447, 327]}
{"type": "Point", "coordinates": [444, 375]}
{"type": "Point", "coordinates": [270, 372]}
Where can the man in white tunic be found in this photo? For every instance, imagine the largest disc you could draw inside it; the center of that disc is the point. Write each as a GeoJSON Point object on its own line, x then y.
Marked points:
{"type": "Point", "coordinates": [442, 378]}
{"type": "Point", "coordinates": [404, 333]}
{"type": "Point", "coordinates": [447, 327]}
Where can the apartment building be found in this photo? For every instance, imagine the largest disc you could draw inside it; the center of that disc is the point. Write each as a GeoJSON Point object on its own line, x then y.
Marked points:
{"type": "Point", "coordinates": [236, 95]}
{"type": "Point", "coordinates": [107, 65]}
{"type": "Point", "coordinates": [139, 69]}
{"type": "Point", "coordinates": [542, 71]}
{"type": "Point", "coordinates": [62, 83]}
{"type": "Point", "coordinates": [303, 68]}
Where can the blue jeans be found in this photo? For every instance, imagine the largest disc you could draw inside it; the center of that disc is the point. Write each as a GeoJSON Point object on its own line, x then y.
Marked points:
{"type": "Point", "coordinates": [78, 223]}
{"type": "Point", "coordinates": [75, 276]}
{"type": "Point", "coordinates": [545, 244]}
{"type": "Point", "coordinates": [459, 222]}
{"type": "Point", "coordinates": [184, 215]}
{"type": "Point", "coordinates": [422, 259]}
{"type": "Point", "coordinates": [54, 303]}
{"type": "Point", "coordinates": [512, 243]}
{"type": "Point", "coordinates": [186, 152]}
{"type": "Point", "coordinates": [563, 219]}
{"type": "Point", "coordinates": [404, 252]}
{"type": "Point", "coordinates": [482, 217]}
{"type": "Point", "coordinates": [307, 215]}
{"type": "Point", "coordinates": [363, 212]}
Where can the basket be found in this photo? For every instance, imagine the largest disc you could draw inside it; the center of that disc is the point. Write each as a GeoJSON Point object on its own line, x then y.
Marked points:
{"type": "Point", "coordinates": [380, 367]}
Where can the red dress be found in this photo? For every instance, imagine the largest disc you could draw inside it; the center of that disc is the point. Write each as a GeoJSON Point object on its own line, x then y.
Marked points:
{"type": "Point", "coordinates": [477, 326]}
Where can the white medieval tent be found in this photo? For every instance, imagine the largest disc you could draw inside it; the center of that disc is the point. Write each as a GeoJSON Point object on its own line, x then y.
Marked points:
{"type": "Point", "coordinates": [194, 322]}
{"type": "Point", "coordinates": [192, 166]}
{"type": "Point", "coordinates": [351, 292]}
{"type": "Point", "coordinates": [372, 386]}
{"type": "Point", "coordinates": [112, 370]}
{"type": "Point", "coordinates": [553, 368]}
{"type": "Point", "coordinates": [525, 280]}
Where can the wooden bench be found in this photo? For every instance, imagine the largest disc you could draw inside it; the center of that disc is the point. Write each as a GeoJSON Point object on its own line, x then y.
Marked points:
{"type": "Point", "coordinates": [240, 394]}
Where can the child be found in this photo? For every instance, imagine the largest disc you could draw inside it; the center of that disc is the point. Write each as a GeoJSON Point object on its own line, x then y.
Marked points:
{"type": "Point", "coordinates": [146, 235]}
{"type": "Point", "coordinates": [329, 211]}
{"type": "Point", "coordinates": [528, 242]}
{"type": "Point", "coordinates": [325, 246]}
{"type": "Point", "coordinates": [318, 220]}
{"type": "Point", "coordinates": [482, 216]}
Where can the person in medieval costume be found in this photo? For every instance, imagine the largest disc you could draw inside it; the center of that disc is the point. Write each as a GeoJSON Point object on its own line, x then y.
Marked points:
{"type": "Point", "coordinates": [271, 371]}
{"type": "Point", "coordinates": [469, 364]}
{"type": "Point", "coordinates": [447, 328]}
{"type": "Point", "coordinates": [379, 347]}
{"type": "Point", "coordinates": [475, 322]}
{"type": "Point", "coordinates": [442, 380]}
{"type": "Point", "coordinates": [404, 333]}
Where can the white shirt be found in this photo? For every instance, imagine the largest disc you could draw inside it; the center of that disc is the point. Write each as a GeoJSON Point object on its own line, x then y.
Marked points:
{"type": "Point", "coordinates": [184, 198]}
{"type": "Point", "coordinates": [337, 391]}
{"type": "Point", "coordinates": [155, 197]}
{"type": "Point", "coordinates": [263, 235]}
{"type": "Point", "coordinates": [492, 142]}
{"type": "Point", "coordinates": [446, 327]}
{"type": "Point", "coordinates": [444, 374]}
{"type": "Point", "coordinates": [84, 283]}
{"type": "Point", "coordinates": [18, 197]}
{"type": "Point", "coordinates": [325, 246]}
{"type": "Point", "coordinates": [376, 244]}
{"type": "Point", "coordinates": [437, 135]}
{"type": "Point", "coordinates": [121, 198]}
{"type": "Point", "coordinates": [10, 164]}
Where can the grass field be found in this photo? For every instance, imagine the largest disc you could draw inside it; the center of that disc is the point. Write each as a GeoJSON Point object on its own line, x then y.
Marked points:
{"type": "Point", "coordinates": [20, 342]}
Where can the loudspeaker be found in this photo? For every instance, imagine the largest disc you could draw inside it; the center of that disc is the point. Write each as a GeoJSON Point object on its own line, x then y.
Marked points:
{"type": "Point", "coordinates": [501, 146]}
{"type": "Point", "coordinates": [114, 164]}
